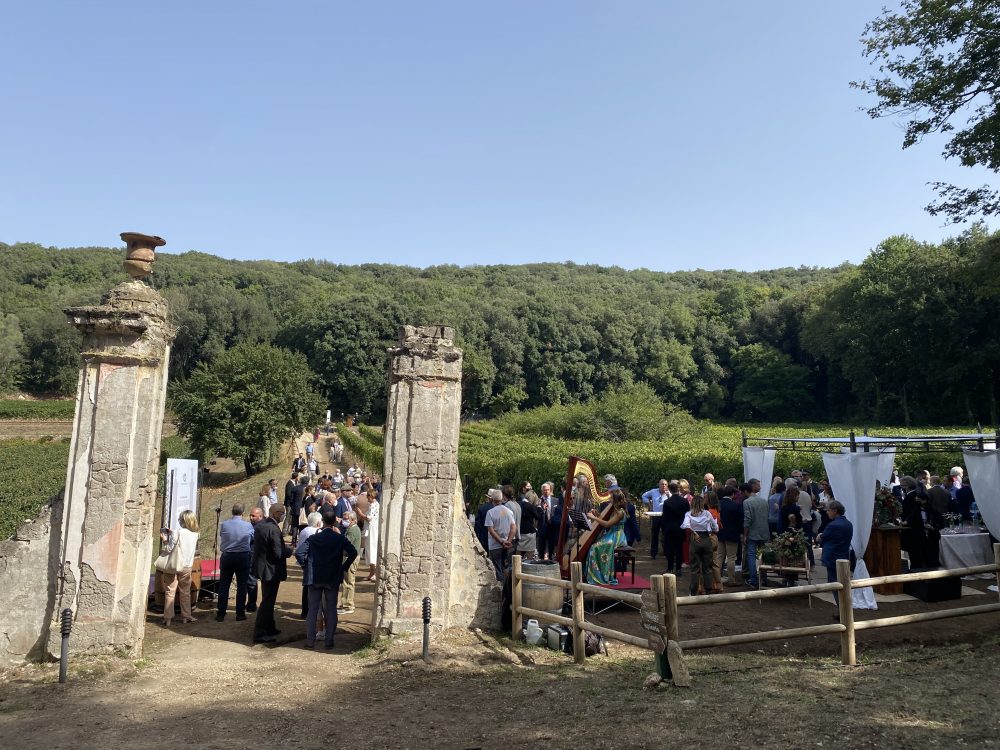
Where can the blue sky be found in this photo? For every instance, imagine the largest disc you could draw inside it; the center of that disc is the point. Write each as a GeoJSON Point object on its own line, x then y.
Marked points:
{"type": "Point", "coordinates": [664, 135]}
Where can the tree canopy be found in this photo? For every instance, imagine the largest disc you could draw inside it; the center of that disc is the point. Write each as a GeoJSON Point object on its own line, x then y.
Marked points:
{"type": "Point", "coordinates": [246, 403]}
{"type": "Point", "coordinates": [908, 335]}
{"type": "Point", "coordinates": [939, 68]}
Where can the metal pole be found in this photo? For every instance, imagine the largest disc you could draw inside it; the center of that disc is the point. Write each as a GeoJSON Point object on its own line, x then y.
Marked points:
{"type": "Point", "coordinates": [854, 442]}
{"type": "Point", "coordinates": [427, 626]}
{"type": "Point", "coordinates": [66, 625]}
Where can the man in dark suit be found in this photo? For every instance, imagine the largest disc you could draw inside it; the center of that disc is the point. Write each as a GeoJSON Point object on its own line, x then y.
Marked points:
{"type": "Point", "coordinates": [674, 509]}
{"type": "Point", "coordinates": [325, 557]}
{"type": "Point", "coordinates": [268, 564]}
{"type": "Point", "coordinates": [295, 506]}
{"type": "Point", "coordinates": [836, 541]}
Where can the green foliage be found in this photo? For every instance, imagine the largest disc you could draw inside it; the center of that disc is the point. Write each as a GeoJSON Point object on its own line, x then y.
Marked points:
{"type": "Point", "coordinates": [488, 452]}
{"type": "Point", "coordinates": [770, 387]}
{"type": "Point", "coordinates": [30, 475]}
{"type": "Point", "coordinates": [508, 400]}
{"type": "Point", "coordinates": [246, 403]}
{"type": "Point", "coordinates": [11, 341]}
{"type": "Point", "coordinates": [912, 333]}
{"type": "Point", "coordinates": [48, 409]}
{"type": "Point", "coordinates": [630, 412]}
{"type": "Point", "coordinates": [938, 63]}
{"type": "Point", "coordinates": [373, 436]}
{"type": "Point", "coordinates": [372, 456]}
{"type": "Point", "coordinates": [562, 334]}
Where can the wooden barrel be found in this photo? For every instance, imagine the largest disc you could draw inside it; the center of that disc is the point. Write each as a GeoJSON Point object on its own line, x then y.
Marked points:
{"type": "Point", "coordinates": [538, 595]}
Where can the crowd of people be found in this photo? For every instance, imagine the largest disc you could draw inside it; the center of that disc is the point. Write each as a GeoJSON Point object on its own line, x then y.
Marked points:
{"type": "Point", "coordinates": [716, 529]}
{"type": "Point", "coordinates": [327, 519]}
{"type": "Point", "coordinates": [330, 521]}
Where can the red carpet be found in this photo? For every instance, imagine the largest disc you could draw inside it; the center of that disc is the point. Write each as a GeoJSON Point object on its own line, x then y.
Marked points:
{"type": "Point", "coordinates": [626, 583]}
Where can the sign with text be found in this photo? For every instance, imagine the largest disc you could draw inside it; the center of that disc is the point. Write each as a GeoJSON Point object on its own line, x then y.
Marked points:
{"type": "Point", "coordinates": [182, 491]}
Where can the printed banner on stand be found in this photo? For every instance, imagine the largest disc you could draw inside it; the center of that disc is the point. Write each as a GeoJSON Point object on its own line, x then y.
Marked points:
{"type": "Point", "coordinates": [182, 491]}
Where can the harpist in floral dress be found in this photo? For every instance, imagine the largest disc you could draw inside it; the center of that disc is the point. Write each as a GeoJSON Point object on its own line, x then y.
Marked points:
{"type": "Point", "coordinates": [601, 558]}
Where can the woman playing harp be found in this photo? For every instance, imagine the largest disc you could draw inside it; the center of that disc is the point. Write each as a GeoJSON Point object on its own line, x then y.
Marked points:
{"type": "Point", "coordinates": [601, 558]}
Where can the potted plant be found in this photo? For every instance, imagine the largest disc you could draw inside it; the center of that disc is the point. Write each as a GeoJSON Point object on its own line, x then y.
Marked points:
{"type": "Point", "coordinates": [787, 547]}
{"type": "Point", "coordinates": [888, 508]}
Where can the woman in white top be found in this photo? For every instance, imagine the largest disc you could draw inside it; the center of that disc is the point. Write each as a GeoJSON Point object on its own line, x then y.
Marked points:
{"type": "Point", "coordinates": [369, 537]}
{"type": "Point", "coordinates": [264, 500]}
{"type": "Point", "coordinates": [181, 550]}
{"type": "Point", "coordinates": [702, 526]}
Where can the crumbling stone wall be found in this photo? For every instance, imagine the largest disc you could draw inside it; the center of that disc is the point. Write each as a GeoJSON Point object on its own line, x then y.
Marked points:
{"type": "Point", "coordinates": [427, 546]}
{"type": "Point", "coordinates": [27, 586]}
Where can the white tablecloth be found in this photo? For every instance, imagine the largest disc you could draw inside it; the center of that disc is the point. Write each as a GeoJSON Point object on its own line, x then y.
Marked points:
{"type": "Point", "coordinates": [965, 550]}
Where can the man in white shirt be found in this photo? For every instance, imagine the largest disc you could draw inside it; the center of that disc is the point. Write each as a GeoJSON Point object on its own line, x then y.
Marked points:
{"type": "Point", "coordinates": [501, 527]}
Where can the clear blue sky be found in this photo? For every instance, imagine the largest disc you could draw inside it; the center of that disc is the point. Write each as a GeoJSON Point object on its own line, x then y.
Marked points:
{"type": "Point", "coordinates": [667, 135]}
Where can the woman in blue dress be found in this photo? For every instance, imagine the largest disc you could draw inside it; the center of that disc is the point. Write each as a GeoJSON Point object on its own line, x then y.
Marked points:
{"type": "Point", "coordinates": [601, 558]}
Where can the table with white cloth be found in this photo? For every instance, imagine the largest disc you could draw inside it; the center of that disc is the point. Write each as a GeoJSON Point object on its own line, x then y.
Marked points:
{"type": "Point", "coordinates": [965, 550]}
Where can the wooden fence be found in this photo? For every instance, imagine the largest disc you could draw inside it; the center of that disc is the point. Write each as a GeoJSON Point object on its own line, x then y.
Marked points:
{"type": "Point", "coordinates": [667, 604]}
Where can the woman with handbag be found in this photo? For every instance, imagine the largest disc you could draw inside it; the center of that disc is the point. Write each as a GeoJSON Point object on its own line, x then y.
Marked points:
{"type": "Point", "coordinates": [181, 549]}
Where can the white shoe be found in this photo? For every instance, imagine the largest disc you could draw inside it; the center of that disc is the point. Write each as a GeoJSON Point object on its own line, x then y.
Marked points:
{"type": "Point", "coordinates": [321, 633]}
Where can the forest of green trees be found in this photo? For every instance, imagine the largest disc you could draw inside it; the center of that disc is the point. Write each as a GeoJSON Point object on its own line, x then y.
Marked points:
{"type": "Point", "coordinates": [907, 337]}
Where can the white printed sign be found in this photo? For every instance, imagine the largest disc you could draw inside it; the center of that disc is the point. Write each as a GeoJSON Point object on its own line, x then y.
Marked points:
{"type": "Point", "coordinates": [182, 491]}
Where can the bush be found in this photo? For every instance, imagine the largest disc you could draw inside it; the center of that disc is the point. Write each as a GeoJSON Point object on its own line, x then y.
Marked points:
{"type": "Point", "coordinates": [48, 409]}
{"type": "Point", "coordinates": [31, 474]}
{"type": "Point", "coordinates": [372, 457]}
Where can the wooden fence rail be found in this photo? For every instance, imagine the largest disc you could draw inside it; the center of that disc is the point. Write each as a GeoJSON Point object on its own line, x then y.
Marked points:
{"type": "Point", "coordinates": [664, 589]}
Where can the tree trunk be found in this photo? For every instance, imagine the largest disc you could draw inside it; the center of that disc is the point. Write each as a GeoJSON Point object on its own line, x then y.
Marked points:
{"type": "Point", "coordinates": [248, 466]}
{"type": "Point", "coordinates": [906, 408]}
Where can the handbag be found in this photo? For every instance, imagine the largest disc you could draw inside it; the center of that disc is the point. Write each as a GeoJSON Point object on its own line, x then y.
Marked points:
{"type": "Point", "coordinates": [303, 520]}
{"type": "Point", "coordinates": [171, 560]}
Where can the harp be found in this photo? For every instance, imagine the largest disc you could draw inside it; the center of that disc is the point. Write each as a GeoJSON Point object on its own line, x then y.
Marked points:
{"type": "Point", "coordinates": [569, 551]}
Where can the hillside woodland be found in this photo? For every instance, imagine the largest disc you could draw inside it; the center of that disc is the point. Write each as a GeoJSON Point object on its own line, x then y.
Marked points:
{"type": "Point", "coordinates": [907, 337]}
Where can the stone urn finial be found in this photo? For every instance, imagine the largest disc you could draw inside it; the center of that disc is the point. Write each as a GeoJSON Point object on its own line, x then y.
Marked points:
{"type": "Point", "coordinates": [141, 253]}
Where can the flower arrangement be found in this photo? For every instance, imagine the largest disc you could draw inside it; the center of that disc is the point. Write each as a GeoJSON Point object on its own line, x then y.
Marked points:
{"type": "Point", "coordinates": [787, 546]}
{"type": "Point", "coordinates": [888, 508]}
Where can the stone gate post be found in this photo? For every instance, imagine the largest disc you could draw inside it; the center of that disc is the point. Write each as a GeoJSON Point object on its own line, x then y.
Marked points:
{"type": "Point", "coordinates": [427, 546]}
{"type": "Point", "coordinates": [106, 538]}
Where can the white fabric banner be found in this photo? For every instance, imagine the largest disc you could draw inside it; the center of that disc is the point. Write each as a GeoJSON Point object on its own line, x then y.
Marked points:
{"type": "Point", "coordinates": [886, 460]}
{"type": "Point", "coordinates": [182, 491]}
{"type": "Point", "coordinates": [984, 474]}
{"type": "Point", "coordinates": [852, 477]}
{"type": "Point", "coordinates": [758, 463]}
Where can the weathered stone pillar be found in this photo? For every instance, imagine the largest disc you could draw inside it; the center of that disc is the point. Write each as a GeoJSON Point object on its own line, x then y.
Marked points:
{"type": "Point", "coordinates": [107, 525]}
{"type": "Point", "coordinates": [427, 546]}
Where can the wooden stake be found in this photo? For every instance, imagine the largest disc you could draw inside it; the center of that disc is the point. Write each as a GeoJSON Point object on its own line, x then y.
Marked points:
{"type": "Point", "coordinates": [515, 604]}
{"type": "Point", "coordinates": [847, 644]}
{"type": "Point", "coordinates": [670, 605]}
{"type": "Point", "coordinates": [579, 647]}
{"type": "Point", "coordinates": [996, 557]}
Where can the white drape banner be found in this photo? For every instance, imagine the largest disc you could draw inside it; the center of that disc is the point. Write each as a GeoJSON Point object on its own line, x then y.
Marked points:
{"type": "Point", "coordinates": [852, 477]}
{"type": "Point", "coordinates": [758, 463]}
{"type": "Point", "coordinates": [984, 475]}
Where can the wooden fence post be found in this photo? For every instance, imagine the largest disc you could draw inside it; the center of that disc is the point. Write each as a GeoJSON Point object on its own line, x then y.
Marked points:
{"type": "Point", "coordinates": [670, 605]}
{"type": "Point", "coordinates": [662, 663]}
{"type": "Point", "coordinates": [846, 603]}
{"type": "Point", "coordinates": [515, 598]}
{"type": "Point", "coordinates": [579, 647]}
{"type": "Point", "coordinates": [996, 558]}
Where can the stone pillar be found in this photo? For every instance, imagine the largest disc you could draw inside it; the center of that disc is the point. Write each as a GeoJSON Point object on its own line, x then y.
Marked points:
{"type": "Point", "coordinates": [427, 546]}
{"type": "Point", "coordinates": [106, 540]}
